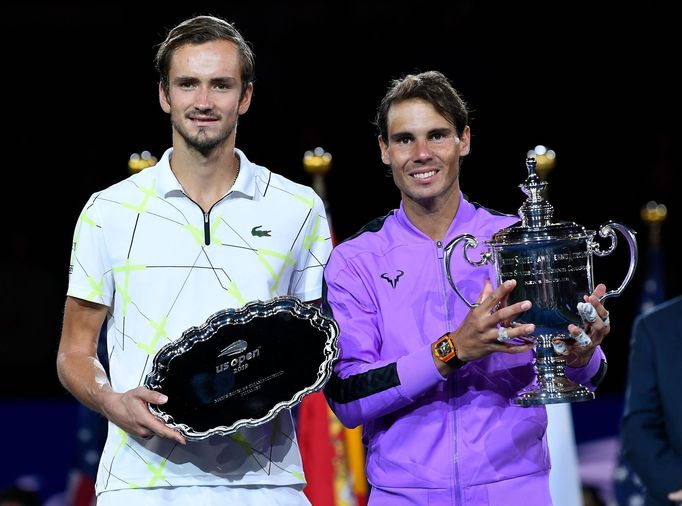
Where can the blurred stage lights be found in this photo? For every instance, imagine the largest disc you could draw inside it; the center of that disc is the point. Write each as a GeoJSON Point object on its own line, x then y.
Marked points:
{"type": "Point", "coordinates": [140, 161]}
{"type": "Point", "coordinates": [317, 161]}
{"type": "Point", "coordinates": [545, 159]}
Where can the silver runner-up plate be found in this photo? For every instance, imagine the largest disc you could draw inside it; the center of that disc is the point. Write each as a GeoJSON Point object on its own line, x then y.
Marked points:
{"type": "Point", "coordinates": [243, 366]}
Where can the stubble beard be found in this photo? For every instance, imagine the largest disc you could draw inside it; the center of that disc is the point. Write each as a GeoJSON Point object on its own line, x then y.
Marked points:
{"type": "Point", "coordinates": [201, 141]}
{"type": "Point", "coordinates": [430, 200]}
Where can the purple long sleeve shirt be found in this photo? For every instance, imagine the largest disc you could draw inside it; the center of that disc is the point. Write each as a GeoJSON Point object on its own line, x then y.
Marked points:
{"type": "Point", "coordinates": [430, 439]}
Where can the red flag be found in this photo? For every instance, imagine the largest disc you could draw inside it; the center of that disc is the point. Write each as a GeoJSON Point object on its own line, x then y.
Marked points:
{"type": "Point", "coordinates": [333, 456]}
{"type": "Point", "coordinates": [317, 451]}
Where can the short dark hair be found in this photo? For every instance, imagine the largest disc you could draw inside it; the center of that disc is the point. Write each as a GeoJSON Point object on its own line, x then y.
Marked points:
{"type": "Point", "coordinates": [202, 29]}
{"type": "Point", "coordinates": [431, 86]}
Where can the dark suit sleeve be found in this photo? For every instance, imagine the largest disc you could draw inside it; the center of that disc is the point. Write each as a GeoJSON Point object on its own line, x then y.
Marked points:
{"type": "Point", "coordinates": [653, 405]}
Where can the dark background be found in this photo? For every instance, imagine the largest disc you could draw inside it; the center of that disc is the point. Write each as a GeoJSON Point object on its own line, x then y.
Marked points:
{"type": "Point", "coordinates": [597, 84]}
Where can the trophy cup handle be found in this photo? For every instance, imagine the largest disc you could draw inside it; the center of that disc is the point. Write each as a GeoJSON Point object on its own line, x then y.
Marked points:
{"type": "Point", "coordinates": [470, 242]}
{"type": "Point", "coordinates": [607, 230]}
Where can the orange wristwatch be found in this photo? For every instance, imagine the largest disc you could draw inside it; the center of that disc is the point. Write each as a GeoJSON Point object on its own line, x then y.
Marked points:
{"type": "Point", "coordinates": [446, 351]}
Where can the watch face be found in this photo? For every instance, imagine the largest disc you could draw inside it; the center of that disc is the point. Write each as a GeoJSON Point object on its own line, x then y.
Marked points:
{"type": "Point", "coordinates": [443, 348]}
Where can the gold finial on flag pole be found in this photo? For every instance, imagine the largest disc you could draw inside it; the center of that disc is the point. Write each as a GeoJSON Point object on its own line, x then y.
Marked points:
{"type": "Point", "coordinates": [318, 162]}
{"type": "Point", "coordinates": [654, 214]}
{"type": "Point", "coordinates": [140, 161]}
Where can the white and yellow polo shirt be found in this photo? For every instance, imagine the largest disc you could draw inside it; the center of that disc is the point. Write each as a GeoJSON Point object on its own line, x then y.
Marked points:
{"type": "Point", "coordinates": [162, 265]}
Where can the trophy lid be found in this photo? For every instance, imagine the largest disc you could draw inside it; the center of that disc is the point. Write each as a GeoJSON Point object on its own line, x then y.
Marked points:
{"type": "Point", "coordinates": [536, 216]}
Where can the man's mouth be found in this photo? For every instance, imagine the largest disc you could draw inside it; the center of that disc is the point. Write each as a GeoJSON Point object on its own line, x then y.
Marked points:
{"type": "Point", "coordinates": [424, 175]}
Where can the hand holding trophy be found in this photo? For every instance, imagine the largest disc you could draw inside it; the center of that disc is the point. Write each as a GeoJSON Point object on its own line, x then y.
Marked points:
{"type": "Point", "coordinates": [552, 264]}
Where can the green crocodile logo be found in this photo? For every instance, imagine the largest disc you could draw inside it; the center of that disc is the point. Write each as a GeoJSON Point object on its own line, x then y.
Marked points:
{"type": "Point", "coordinates": [260, 233]}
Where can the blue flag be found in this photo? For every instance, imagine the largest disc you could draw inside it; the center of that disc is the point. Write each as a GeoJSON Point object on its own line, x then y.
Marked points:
{"type": "Point", "coordinates": [653, 290]}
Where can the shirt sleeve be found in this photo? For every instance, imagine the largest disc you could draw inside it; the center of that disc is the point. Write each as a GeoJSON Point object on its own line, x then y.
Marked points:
{"type": "Point", "coordinates": [306, 283]}
{"type": "Point", "coordinates": [364, 386]}
{"type": "Point", "coordinates": [592, 374]}
{"type": "Point", "coordinates": [90, 274]}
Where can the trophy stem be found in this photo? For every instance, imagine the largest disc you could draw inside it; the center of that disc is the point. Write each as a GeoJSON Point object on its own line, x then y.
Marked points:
{"type": "Point", "coordinates": [553, 385]}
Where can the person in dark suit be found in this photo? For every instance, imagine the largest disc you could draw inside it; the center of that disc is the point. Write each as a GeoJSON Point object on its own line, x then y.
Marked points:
{"type": "Point", "coordinates": [651, 429]}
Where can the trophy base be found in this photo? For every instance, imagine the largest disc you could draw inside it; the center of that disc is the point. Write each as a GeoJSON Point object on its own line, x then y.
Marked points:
{"type": "Point", "coordinates": [553, 386]}
{"type": "Point", "coordinates": [560, 391]}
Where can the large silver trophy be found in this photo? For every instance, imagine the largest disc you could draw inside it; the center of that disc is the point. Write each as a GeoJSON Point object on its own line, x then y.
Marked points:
{"type": "Point", "coordinates": [552, 264]}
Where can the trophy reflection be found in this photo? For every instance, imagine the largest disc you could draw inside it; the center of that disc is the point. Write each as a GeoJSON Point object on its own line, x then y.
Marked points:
{"type": "Point", "coordinates": [552, 264]}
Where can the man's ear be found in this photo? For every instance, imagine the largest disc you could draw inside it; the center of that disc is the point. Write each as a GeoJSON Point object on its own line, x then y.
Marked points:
{"type": "Point", "coordinates": [465, 141]}
{"type": "Point", "coordinates": [245, 100]}
{"type": "Point", "coordinates": [384, 152]}
{"type": "Point", "coordinates": [163, 99]}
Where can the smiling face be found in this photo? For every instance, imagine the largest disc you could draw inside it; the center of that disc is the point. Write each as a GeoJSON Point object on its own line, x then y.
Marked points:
{"type": "Point", "coordinates": [423, 151]}
{"type": "Point", "coordinates": [203, 96]}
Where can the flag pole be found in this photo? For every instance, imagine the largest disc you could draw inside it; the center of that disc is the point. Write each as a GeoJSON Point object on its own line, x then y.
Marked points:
{"type": "Point", "coordinates": [653, 214]}
{"type": "Point", "coordinates": [350, 454]}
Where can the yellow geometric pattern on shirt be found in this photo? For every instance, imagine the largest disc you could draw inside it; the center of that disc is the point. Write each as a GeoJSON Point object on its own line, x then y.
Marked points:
{"type": "Point", "coordinates": [286, 260]}
{"type": "Point", "coordinates": [233, 290]}
{"type": "Point", "coordinates": [196, 232]}
{"type": "Point", "coordinates": [159, 333]}
{"type": "Point", "coordinates": [97, 288]}
{"type": "Point", "coordinates": [313, 237]}
{"type": "Point", "coordinates": [276, 430]}
{"type": "Point", "coordinates": [241, 441]}
{"type": "Point", "coordinates": [123, 436]}
{"type": "Point", "coordinates": [157, 472]}
{"type": "Point", "coordinates": [148, 193]}
{"type": "Point", "coordinates": [214, 228]}
{"type": "Point", "coordinates": [83, 218]}
{"type": "Point", "coordinates": [308, 202]}
{"type": "Point", "coordinates": [126, 269]}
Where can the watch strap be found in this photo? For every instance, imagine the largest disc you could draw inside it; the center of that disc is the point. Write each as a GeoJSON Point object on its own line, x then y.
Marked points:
{"type": "Point", "coordinates": [445, 349]}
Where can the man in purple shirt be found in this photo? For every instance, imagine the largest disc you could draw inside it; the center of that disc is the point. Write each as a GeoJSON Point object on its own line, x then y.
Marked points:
{"type": "Point", "coordinates": [425, 375]}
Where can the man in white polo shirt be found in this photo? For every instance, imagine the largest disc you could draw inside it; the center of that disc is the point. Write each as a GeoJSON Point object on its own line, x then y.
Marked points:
{"type": "Point", "coordinates": [161, 251]}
